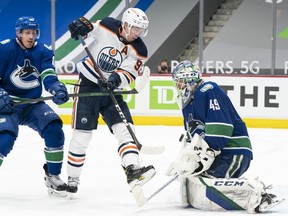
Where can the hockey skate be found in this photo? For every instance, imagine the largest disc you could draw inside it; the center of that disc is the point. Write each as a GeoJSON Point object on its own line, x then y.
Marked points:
{"type": "Point", "coordinates": [139, 176]}
{"type": "Point", "coordinates": [268, 201]}
{"type": "Point", "coordinates": [72, 186]}
{"type": "Point", "coordinates": [55, 185]}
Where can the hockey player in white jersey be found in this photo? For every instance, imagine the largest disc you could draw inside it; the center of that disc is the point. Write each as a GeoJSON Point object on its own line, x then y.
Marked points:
{"type": "Point", "coordinates": [216, 149]}
{"type": "Point", "coordinates": [120, 54]}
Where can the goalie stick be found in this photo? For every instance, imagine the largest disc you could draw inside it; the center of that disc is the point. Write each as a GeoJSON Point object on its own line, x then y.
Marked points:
{"type": "Point", "coordinates": [142, 81]}
{"type": "Point", "coordinates": [139, 195]}
{"type": "Point", "coordinates": [143, 149]}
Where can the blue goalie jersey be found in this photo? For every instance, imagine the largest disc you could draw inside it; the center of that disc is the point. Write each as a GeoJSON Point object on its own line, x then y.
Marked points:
{"type": "Point", "coordinates": [216, 119]}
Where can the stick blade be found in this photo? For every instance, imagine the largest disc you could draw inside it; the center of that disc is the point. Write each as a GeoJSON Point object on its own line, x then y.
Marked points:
{"type": "Point", "coordinates": [152, 150]}
{"type": "Point", "coordinates": [143, 79]}
{"type": "Point", "coordinates": [139, 195]}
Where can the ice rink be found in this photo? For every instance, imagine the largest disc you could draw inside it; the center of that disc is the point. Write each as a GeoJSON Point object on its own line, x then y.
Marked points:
{"type": "Point", "coordinates": [104, 191]}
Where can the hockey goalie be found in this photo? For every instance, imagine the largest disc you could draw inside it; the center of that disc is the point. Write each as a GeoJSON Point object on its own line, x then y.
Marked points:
{"type": "Point", "coordinates": [216, 150]}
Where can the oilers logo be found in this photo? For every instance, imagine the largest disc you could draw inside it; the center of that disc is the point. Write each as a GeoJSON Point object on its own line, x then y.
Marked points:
{"type": "Point", "coordinates": [25, 77]}
{"type": "Point", "coordinates": [109, 58]}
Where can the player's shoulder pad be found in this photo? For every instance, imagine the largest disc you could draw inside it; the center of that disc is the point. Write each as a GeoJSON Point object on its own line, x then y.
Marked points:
{"type": "Point", "coordinates": [111, 24]}
{"type": "Point", "coordinates": [44, 49]}
{"type": "Point", "coordinates": [114, 24]}
{"type": "Point", "coordinates": [7, 45]}
{"type": "Point", "coordinates": [206, 86]}
{"type": "Point", "coordinates": [5, 41]}
{"type": "Point", "coordinates": [140, 47]}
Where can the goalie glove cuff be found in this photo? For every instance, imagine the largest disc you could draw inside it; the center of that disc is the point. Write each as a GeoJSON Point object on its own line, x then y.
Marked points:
{"type": "Point", "coordinates": [206, 159]}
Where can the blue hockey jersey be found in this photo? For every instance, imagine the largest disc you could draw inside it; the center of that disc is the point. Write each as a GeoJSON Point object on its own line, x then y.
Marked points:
{"type": "Point", "coordinates": [218, 120]}
{"type": "Point", "coordinates": [23, 72]}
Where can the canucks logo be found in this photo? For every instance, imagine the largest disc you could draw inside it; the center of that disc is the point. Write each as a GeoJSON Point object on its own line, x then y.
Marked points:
{"type": "Point", "coordinates": [109, 59]}
{"type": "Point", "coordinates": [25, 77]}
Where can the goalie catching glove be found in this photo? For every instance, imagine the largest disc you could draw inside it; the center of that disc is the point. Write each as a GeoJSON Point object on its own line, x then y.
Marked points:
{"type": "Point", "coordinates": [193, 159]}
{"type": "Point", "coordinates": [81, 26]}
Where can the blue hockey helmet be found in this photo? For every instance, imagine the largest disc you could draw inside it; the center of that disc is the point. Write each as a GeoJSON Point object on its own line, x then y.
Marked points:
{"type": "Point", "coordinates": [27, 22]}
{"type": "Point", "coordinates": [186, 76]}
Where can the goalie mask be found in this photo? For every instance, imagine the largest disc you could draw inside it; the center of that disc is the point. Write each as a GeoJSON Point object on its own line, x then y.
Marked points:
{"type": "Point", "coordinates": [135, 17]}
{"type": "Point", "coordinates": [186, 76]}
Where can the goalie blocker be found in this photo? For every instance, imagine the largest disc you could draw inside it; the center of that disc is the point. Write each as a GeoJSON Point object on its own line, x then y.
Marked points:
{"type": "Point", "coordinates": [227, 194]}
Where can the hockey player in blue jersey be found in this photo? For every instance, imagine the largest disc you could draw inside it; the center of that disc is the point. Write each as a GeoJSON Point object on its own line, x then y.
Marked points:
{"type": "Point", "coordinates": [216, 149]}
{"type": "Point", "coordinates": [120, 54]}
{"type": "Point", "coordinates": [26, 65]}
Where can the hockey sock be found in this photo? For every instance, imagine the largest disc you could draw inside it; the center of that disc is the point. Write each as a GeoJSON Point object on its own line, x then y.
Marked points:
{"type": "Point", "coordinates": [54, 158]}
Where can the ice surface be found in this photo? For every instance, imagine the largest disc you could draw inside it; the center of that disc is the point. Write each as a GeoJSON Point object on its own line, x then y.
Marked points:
{"type": "Point", "coordinates": [104, 191]}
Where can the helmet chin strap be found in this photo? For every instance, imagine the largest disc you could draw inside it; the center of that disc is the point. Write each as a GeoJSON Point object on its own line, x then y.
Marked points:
{"type": "Point", "coordinates": [125, 33]}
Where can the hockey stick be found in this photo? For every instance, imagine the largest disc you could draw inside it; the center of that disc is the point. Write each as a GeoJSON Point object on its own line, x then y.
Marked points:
{"type": "Point", "coordinates": [140, 196]}
{"type": "Point", "coordinates": [138, 88]}
{"type": "Point", "coordinates": [143, 149]}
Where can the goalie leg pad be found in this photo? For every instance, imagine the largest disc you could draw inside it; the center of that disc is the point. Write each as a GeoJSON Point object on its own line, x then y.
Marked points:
{"type": "Point", "coordinates": [229, 194]}
{"type": "Point", "coordinates": [223, 194]}
{"type": "Point", "coordinates": [183, 192]}
{"type": "Point", "coordinates": [260, 201]}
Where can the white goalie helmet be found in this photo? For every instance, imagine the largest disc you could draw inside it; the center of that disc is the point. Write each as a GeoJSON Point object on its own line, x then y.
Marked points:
{"type": "Point", "coordinates": [186, 76]}
{"type": "Point", "coordinates": [135, 17]}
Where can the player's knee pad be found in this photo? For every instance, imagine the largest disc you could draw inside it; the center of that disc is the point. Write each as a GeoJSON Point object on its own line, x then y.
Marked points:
{"type": "Point", "coordinates": [121, 132]}
{"type": "Point", "coordinates": [53, 135]}
{"type": "Point", "coordinates": [80, 141]}
{"type": "Point", "coordinates": [7, 140]}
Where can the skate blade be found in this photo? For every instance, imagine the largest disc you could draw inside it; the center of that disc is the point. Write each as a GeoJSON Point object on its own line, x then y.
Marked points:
{"type": "Point", "coordinates": [71, 196]}
{"type": "Point", "coordinates": [268, 207]}
{"type": "Point", "coordinates": [56, 193]}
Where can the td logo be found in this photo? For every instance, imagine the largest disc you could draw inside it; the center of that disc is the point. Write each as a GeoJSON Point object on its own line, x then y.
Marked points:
{"type": "Point", "coordinates": [163, 95]}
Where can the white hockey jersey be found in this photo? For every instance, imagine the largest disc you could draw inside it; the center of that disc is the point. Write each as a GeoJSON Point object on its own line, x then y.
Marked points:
{"type": "Point", "coordinates": [113, 53]}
